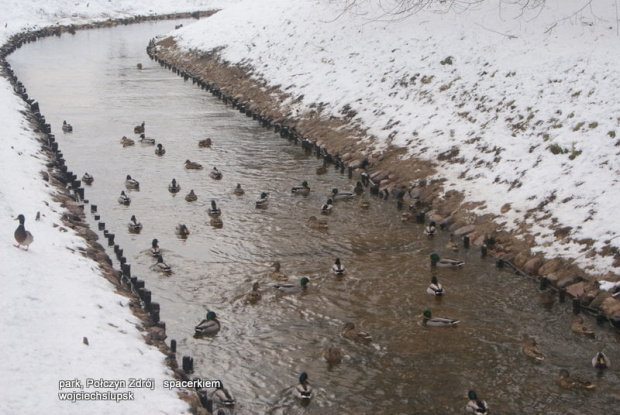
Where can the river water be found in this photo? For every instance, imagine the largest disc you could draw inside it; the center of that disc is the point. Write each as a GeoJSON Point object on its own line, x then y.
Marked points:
{"type": "Point", "coordinates": [91, 80]}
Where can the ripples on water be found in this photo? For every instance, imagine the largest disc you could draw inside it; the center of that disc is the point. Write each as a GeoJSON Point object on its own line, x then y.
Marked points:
{"type": "Point", "coordinates": [91, 80]}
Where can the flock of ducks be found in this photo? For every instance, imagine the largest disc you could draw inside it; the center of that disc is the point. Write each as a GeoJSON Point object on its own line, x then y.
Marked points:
{"type": "Point", "coordinates": [210, 325]}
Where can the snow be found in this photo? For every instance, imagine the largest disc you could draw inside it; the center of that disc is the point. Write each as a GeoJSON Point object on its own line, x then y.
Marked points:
{"type": "Point", "coordinates": [498, 80]}
{"type": "Point", "coordinates": [52, 296]}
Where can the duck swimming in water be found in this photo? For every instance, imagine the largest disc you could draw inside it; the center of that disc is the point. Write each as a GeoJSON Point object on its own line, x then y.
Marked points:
{"type": "Point", "coordinates": [304, 189]}
{"type": "Point", "coordinates": [315, 223]}
{"type": "Point", "coordinates": [333, 354]}
{"type": "Point", "coordinates": [147, 140]}
{"type": "Point", "coordinates": [430, 321]}
{"type": "Point", "coordinates": [139, 129]}
{"type": "Point", "coordinates": [445, 262]}
{"type": "Point", "coordinates": [254, 295]}
{"type": "Point", "coordinates": [303, 390]}
{"type": "Point", "coordinates": [262, 201]}
{"type": "Point", "coordinates": [601, 361]}
{"type": "Point", "coordinates": [573, 382]}
{"type": "Point", "coordinates": [531, 349]}
{"type": "Point", "coordinates": [191, 196]}
{"type": "Point", "coordinates": [214, 210]}
{"type": "Point", "coordinates": [328, 207]}
{"type": "Point", "coordinates": [475, 405]}
{"type": "Point", "coordinates": [66, 127]}
{"type": "Point", "coordinates": [123, 199]}
{"type": "Point", "coordinates": [430, 229]}
{"type": "Point", "coordinates": [160, 150]}
{"type": "Point", "coordinates": [350, 332]}
{"type": "Point", "coordinates": [134, 225]}
{"type": "Point", "coordinates": [127, 142]}
{"type": "Point", "coordinates": [239, 190]}
{"type": "Point", "coordinates": [276, 274]}
{"type": "Point", "coordinates": [337, 195]}
{"type": "Point", "coordinates": [209, 325]}
{"type": "Point", "coordinates": [22, 236]}
{"type": "Point", "coordinates": [205, 143]}
{"type": "Point", "coordinates": [181, 230]}
{"type": "Point", "coordinates": [338, 268]}
{"type": "Point", "coordinates": [155, 250]}
{"type": "Point", "coordinates": [223, 396]}
{"type": "Point", "coordinates": [87, 179]}
{"type": "Point", "coordinates": [174, 187]}
{"type": "Point", "coordinates": [293, 288]}
{"type": "Point", "coordinates": [191, 165]}
{"type": "Point", "coordinates": [132, 183]}
{"type": "Point", "coordinates": [435, 288]}
{"type": "Point", "coordinates": [215, 174]}
{"type": "Point", "coordinates": [161, 266]}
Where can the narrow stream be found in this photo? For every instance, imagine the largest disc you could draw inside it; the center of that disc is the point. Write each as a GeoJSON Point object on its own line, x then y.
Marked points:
{"type": "Point", "coordinates": [91, 80]}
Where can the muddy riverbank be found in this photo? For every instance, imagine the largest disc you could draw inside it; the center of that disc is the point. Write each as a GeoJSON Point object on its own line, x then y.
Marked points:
{"type": "Point", "coordinates": [407, 182]}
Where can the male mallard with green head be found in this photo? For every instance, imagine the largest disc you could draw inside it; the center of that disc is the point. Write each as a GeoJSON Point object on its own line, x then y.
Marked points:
{"type": "Point", "coordinates": [337, 195]}
{"type": "Point", "coordinates": [174, 187]}
{"type": "Point", "coordinates": [328, 207]}
{"type": "Point", "coordinates": [132, 183]}
{"type": "Point", "coordinates": [338, 268]}
{"type": "Point", "coordinates": [209, 325]}
{"type": "Point", "coordinates": [262, 201]}
{"type": "Point", "coordinates": [435, 288]}
{"type": "Point", "coordinates": [350, 332]}
{"type": "Point", "coordinates": [155, 250]}
{"type": "Point", "coordinates": [22, 236]}
{"type": "Point", "coordinates": [304, 189]}
{"type": "Point", "coordinates": [303, 390]}
{"type": "Point", "coordinates": [147, 140]}
{"type": "Point", "coordinates": [215, 174]}
{"type": "Point", "coordinates": [293, 288]}
{"type": "Point", "coordinates": [123, 199]}
{"type": "Point", "coordinates": [161, 266]}
{"type": "Point", "coordinates": [134, 225]}
{"type": "Point", "coordinates": [475, 405]}
{"type": "Point", "coordinates": [160, 150]}
{"type": "Point", "coordinates": [445, 262]}
{"type": "Point", "coordinates": [430, 321]}
{"type": "Point", "coordinates": [359, 188]}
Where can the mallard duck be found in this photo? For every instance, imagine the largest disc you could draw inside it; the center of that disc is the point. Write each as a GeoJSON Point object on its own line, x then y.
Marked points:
{"type": "Point", "coordinates": [435, 288]}
{"type": "Point", "coordinates": [223, 396]}
{"type": "Point", "coordinates": [573, 382]}
{"type": "Point", "coordinates": [364, 203]}
{"type": "Point", "coordinates": [160, 150]}
{"type": "Point", "coordinates": [205, 143]}
{"type": "Point", "coordinates": [209, 325]}
{"type": "Point", "coordinates": [293, 288]}
{"type": "Point", "coordinates": [174, 187]}
{"type": "Point", "coordinates": [328, 207]}
{"type": "Point", "coordinates": [127, 142]}
{"type": "Point", "coordinates": [262, 201]}
{"type": "Point", "coordinates": [333, 354]}
{"type": "Point", "coordinates": [181, 230]}
{"type": "Point", "coordinates": [139, 129]}
{"type": "Point", "coordinates": [304, 189]}
{"type": "Point", "coordinates": [322, 169]}
{"type": "Point", "coordinates": [430, 229]}
{"type": "Point", "coordinates": [601, 361]}
{"type": "Point", "coordinates": [216, 222]}
{"type": "Point", "coordinates": [315, 223]}
{"type": "Point", "coordinates": [239, 190]}
{"type": "Point", "coordinates": [303, 390]}
{"type": "Point", "coordinates": [445, 262]}
{"type": "Point", "coordinates": [531, 349]}
{"type": "Point", "coordinates": [191, 165]}
{"type": "Point", "coordinates": [139, 66]}
{"type": "Point", "coordinates": [276, 274]}
{"type": "Point", "coordinates": [123, 199]}
{"type": "Point", "coordinates": [214, 210]}
{"type": "Point", "coordinates": [407, 216]}
{"type": "Point", "coordinates": [161, 266]}
{"type": "Point", "coordinates": [429, 320]}
{"type": "Point", "coordinates": [475, 405]}
{"type": "Point", "coordinates": [451, 245]}
{"type": "Point", "coordinates": [350, 332]}
{"type": "Point", "coordinates": [87, 179]}
{"type": "Point", "coordinates": [134, 225]}
{"type": "Point", "coordinates": [254, 295]}
{"type": "Point", "coordinates": [22, 236]}
{"type": "Point", "coordinates": [359, 188]}
{"type": "Point", "coordinates": [147, 140]}
{"type": "Point", "coordinates": [338, 195]}
{"type": "Point", "coordinates": [132, 183]}
{"type": "Point", "coordinates": [191, 196]}
{"type": "Point", "coordinates": [581, 328]}
{"type": "Point", "coordinates": [66, 127]}
{"type": "Point", "coordinates": [155, 250]}
{"type": "Point", "coordinates": [215, 174]}
{"type": "Point", "coordinates": [338, 268]}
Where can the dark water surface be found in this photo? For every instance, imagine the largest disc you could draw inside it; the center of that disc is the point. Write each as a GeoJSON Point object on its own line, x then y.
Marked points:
{"type": "Point", "coordinates": [91, 80]}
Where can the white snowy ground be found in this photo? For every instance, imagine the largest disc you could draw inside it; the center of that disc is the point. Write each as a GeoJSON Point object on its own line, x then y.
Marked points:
{"type": "Point", "coordinates": [51, 296]}
{"type": "Point", "coordinates": [495, 80]}
{"type": "Point", "coordinates": [501, 82]}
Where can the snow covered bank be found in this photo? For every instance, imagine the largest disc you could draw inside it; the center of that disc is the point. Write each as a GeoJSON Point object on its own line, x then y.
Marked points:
{"type": "Point", "coordinates": [515, 104]}
{"type": "Point", "coordinates": [72, 344]}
